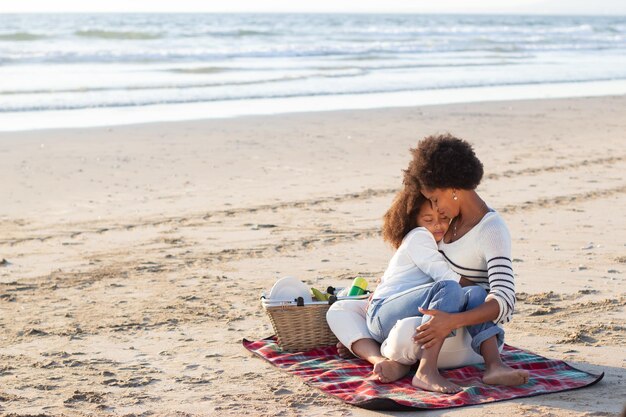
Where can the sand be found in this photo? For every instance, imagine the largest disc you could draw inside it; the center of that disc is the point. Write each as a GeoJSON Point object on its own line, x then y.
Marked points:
{"type": "Point", "coordinates": [135, 255]}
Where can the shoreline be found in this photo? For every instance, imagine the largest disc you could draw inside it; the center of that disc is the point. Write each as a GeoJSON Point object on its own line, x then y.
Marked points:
{"type": "Point", "coordinates": [183, 112]}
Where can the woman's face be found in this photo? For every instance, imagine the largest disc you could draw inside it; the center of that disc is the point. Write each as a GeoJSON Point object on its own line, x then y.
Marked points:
{"type": "Point", "coordinates": [443, 201]}
{"type": "Point", "coordinates": [434, 222]}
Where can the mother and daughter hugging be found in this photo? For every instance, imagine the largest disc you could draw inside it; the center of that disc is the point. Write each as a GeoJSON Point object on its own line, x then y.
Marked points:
{"type": "Point", "coordinates": [449, 282]}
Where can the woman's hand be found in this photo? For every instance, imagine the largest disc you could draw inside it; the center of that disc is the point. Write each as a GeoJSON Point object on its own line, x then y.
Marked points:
{"type": "Point", "coordinates": [436, 329]}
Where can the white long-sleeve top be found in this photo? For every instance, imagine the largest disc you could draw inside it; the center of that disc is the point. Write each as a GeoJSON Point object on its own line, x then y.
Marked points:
{"type": "Point", "coordinates": [416, 262]}
{"type": "Point", "coordinates": [483, 255]}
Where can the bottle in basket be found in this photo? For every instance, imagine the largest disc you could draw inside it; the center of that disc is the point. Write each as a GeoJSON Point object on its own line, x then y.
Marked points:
{"type": "Point", "coordinates": [359, 285]}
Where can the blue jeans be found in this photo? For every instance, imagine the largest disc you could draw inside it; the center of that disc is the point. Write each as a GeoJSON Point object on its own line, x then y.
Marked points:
{"type": "Point", "coordinates": [447, 296]}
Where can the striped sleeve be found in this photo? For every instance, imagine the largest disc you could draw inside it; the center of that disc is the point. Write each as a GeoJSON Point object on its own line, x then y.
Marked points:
{"type": "Point", "coordinates": [496, 245]}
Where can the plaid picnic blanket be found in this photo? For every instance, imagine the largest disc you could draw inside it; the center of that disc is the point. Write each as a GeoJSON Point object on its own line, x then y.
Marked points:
{"type": "Point", "coordinates": [350, 379]}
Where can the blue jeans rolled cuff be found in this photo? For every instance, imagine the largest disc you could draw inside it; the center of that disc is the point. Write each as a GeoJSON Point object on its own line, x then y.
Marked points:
{"type": "Point", "coordinates": [494, 330]}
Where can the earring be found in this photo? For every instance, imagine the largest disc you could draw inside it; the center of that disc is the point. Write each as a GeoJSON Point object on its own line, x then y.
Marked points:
{"type": "Point", "coordinates": [454, 197]}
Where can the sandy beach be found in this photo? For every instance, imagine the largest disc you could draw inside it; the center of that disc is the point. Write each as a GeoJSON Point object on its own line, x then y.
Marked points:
{"type": "Point", "coordinates": [135, 255]}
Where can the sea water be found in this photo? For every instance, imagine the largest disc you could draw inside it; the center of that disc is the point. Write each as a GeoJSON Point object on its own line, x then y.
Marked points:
{"type": "Point", "coordinates": [72, 70]}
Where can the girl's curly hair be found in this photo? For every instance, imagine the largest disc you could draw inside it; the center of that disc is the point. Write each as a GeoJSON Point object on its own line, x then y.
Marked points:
{"type": "Point", "coordinates": [444, 161]}
{"type": "Point", "coordinates": [401, 217]}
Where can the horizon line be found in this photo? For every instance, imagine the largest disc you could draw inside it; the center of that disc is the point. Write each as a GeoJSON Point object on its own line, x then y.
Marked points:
{"type": "Point", "coordinates": [429, 13]}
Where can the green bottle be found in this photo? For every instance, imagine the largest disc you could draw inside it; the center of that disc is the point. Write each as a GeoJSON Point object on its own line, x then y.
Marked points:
{"type": "Point", "coordinates": [359, 285]}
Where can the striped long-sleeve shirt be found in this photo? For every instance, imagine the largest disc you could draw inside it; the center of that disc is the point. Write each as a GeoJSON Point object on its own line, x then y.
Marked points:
{"type": "Point", "coordinates": [483, 255]}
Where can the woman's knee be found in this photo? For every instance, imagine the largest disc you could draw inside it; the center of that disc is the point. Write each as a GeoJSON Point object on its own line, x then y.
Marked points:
{"type": "Point", "coordinates": [399, 345]}
{"type": "Point", "coordinates": [346, 311]}
{"type": "Point", "coordinates": [346, 320]}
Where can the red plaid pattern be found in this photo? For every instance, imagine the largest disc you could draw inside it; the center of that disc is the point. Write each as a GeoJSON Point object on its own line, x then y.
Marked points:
{"type": "Point", "coordinates": [351, 379]}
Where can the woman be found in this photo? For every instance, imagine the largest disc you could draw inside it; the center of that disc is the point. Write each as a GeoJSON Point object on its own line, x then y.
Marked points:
{"type": "Point", "coordinates": [477, 245]}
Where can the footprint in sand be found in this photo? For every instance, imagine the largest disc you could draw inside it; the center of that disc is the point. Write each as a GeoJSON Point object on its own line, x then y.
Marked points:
{"type": "Point", "coordinates": [80, 396]}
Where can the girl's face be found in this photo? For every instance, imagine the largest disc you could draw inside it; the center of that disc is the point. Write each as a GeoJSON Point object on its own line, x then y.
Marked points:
{"type": "Point", "coordinates": [443, 201]}
{"type": "Point", "coordinates": [436, 223]}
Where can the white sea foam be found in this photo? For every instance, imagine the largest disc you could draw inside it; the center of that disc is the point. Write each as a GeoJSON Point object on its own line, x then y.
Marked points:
{"type": "Point", "coordinates": [110, 116]}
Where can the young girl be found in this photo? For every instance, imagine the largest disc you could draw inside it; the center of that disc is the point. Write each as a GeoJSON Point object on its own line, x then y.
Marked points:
{"type": "Point", "coordinates": [418, 276]}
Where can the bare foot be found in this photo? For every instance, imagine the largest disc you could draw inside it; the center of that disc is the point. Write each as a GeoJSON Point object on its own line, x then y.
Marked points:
{"type": "Point", "coordinates": [343, 351]}
{"type": "Point", "coordinates": [505, 375]}
{"type": "Point", "coordinates": [433, 381]}
{"type": "Point", "coordinates": [389, 371]}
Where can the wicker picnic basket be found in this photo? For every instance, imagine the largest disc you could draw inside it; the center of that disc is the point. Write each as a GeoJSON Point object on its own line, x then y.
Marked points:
{"type": "Point", "coordinates": [300, 327]}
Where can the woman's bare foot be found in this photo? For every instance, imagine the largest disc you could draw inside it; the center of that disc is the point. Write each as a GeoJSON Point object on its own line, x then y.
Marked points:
{"type": "Point", "coordinates": [433, 381]}
{"type": "Point", "coordinates": [388, 371]}
{"type": "Point", "coordinates": [505, 375]}
{"type": "Point", "coordinates": [343, 351]}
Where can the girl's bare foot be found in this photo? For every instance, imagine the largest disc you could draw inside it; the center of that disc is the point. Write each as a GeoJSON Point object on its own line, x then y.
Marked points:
{"type": "Point", "coordinates": [388, 371]}
{"type": "Point", "coordinates": [343, 351]}
{"type": "Point", "coordinates": [433, 381]}
{"type": "Point", "coordinates": [505, 375]}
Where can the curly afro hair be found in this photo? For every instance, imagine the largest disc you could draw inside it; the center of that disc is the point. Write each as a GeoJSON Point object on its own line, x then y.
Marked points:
{"type": "Point", "coordinates": [444, 161]}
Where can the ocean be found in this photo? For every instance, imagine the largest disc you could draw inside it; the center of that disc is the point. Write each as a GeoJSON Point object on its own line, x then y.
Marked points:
{"type": "Point", "coordinates": [74, 70]}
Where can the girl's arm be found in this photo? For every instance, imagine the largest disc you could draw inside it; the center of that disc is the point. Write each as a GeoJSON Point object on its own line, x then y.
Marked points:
{"type": "Point", "coordinates": [422, 249]}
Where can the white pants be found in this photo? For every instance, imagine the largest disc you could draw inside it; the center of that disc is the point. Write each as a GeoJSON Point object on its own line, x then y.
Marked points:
{"type": "Point", "coordinates": [346, 319]}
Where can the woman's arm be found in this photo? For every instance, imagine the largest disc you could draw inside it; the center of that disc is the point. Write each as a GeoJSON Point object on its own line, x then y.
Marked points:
{"type": "Point", "coordinates": [443, 323]}
{"type": "Point", "coordinates": [495, 243]}
{"type": "Point", "coordinates": [487, 311]}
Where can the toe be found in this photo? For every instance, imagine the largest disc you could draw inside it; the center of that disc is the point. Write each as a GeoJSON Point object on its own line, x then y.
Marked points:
{"type": "Point", "coordinates": [382, 378]}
